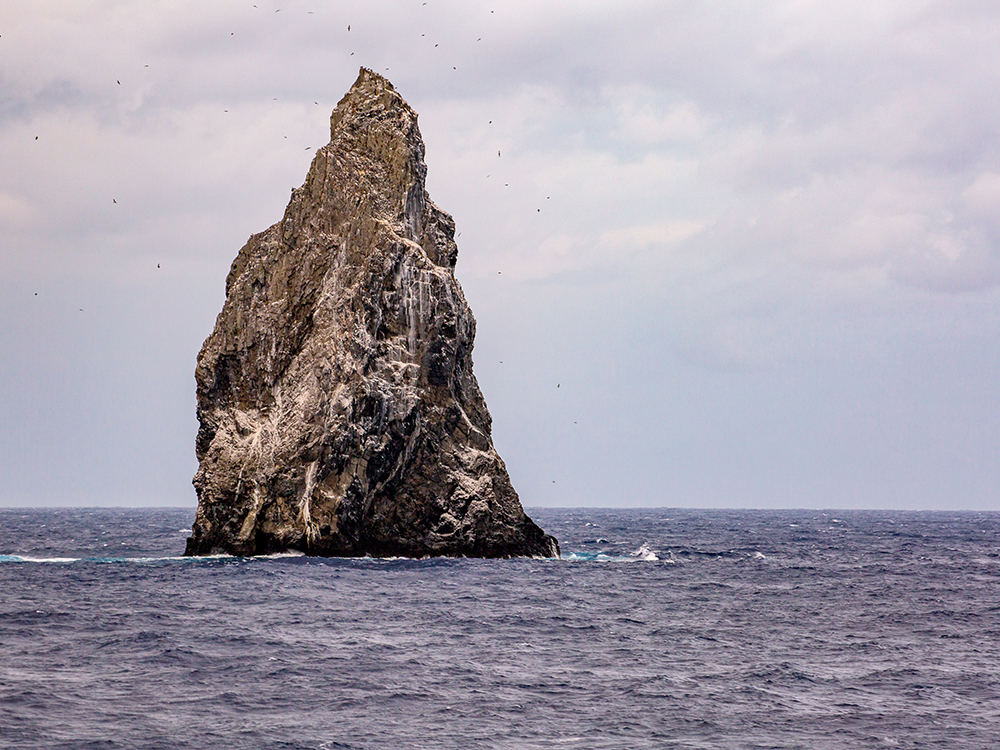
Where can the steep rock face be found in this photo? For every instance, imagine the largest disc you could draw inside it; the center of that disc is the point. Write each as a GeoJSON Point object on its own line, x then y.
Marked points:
{"type": "Point", "coordinates": [338, 410]}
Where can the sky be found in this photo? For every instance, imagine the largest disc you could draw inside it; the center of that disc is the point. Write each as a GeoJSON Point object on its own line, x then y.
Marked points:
{"type": "Point", "coordinates": [721, 254]}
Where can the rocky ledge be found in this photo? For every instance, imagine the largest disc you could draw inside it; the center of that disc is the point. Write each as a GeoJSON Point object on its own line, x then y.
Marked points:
{"type": "Point", "coordinates": [338, 410]}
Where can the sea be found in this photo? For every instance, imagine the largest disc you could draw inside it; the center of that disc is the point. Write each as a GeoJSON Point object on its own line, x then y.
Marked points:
{"type": "Point", "coordinates": [658, 628]}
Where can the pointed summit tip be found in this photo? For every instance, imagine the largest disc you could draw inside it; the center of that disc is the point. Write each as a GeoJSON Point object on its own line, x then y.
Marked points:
{"type": "Point", "coordinates": [368, 77]}
{"type": "Point", "coordinates": [369, 94]}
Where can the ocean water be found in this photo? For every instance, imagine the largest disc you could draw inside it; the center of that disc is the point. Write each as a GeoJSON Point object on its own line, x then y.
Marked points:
{"type": "Point", "coordinates": [658, 629]}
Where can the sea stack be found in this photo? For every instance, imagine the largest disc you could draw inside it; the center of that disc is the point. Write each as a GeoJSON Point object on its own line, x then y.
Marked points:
{"type": "Point", "coordinates": [339, 414]}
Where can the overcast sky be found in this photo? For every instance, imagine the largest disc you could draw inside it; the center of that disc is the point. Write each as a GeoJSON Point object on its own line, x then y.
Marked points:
{"type": "Point", "coordinates": [730, 254]}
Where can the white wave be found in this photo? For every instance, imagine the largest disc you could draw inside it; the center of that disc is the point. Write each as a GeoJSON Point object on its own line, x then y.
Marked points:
{"type": "Point", "coordinates": [645, 553]}
{"type": "Point", "coordinates": [104, 560]}
{"type": "Point", "coordinates": [985, 561]}
{"type": "Point", "coordinates": [595, 557]}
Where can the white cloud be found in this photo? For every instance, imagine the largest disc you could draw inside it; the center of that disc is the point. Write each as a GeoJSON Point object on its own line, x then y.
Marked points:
{"type": "Point", "coordinates": [662, 234]}
{"type": "Point", "coordinates": [644, 121]}
{"type": "Point", "coordinates": [768, 183]}
{"type": "Point", "coordinates": [983, 195]}
{"type": "Point", "coordinates": [15, 211]}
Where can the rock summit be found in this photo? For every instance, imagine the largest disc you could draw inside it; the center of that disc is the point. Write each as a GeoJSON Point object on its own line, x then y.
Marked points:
{"type": "Point", "coordinates": [339, 414]}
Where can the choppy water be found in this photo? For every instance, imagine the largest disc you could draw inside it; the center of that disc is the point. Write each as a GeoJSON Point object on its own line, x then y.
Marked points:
{"type": "Point", "coordinates": [659, 629]}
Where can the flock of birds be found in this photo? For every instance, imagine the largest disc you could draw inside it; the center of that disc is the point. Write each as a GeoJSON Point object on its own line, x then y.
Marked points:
{"type": "Point", "coordinates": [307, 148]}
{"type": "Point", "coordinates": [114, 201]}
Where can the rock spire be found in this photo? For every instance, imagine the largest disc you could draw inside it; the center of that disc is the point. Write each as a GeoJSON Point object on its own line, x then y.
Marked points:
{"type": "Point", "coordinates": [339, 414]}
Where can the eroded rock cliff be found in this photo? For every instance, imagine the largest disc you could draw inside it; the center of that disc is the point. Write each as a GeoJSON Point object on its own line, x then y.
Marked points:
{"type": "Point", "coordinates": [338, 410]}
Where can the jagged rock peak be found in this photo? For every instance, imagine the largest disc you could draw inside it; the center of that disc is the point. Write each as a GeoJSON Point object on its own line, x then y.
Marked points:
{"type": "Point", "coordinates": [338, 411]}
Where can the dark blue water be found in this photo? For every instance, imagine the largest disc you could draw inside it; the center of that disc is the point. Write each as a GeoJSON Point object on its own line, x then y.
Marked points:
{"type": "Point", "coordinates": [660, 629]}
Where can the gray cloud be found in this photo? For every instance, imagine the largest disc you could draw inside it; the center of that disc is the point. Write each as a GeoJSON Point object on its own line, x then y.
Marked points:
{"type": "Point", "coordinates": [733, 233]}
